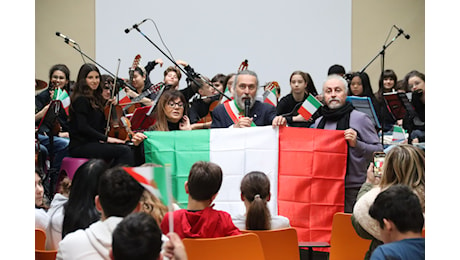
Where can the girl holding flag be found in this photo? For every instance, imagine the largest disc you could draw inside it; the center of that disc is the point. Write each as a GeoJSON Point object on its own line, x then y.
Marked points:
{"type": "Point", "coordinates": [301, 87]}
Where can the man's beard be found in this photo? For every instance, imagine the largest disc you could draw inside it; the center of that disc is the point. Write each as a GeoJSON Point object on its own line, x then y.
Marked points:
{"type": "Point", "coordinates": [240, 100]}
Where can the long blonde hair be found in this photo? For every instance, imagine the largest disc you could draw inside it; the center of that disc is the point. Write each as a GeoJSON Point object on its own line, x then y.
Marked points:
{"type": "Point", "coordinates": [405, 164]}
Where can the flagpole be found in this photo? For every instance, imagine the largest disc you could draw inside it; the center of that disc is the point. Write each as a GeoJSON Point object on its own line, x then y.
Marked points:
{"type": "Point", "coordinates": [170, 196]}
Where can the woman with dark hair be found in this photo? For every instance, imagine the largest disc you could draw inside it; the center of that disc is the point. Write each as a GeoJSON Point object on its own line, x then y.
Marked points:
{"type": "Point", "coordinates": [255, 193]}
{"type": "Point", "coordinates": [415, 122]}
{"type": "Point", "coordinates": [57, 146]}
{"type": "Point", "coordinates": [170, 114]}
{"type": "Point", "coordinates": [360, 86]}
{"type": "Point", "coordinates": [79, 210]}
{"type": "Point", "coordinates": [387, 84]}
{"type": "Point", "coordinates": [139, 83]}
{"type": "Point", "coordinates": [88, 122]}
{"type": "Point", "coordinates": [301, 86]}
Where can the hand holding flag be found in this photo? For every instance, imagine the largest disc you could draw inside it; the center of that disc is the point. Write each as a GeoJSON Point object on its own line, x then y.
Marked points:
{"type": "Point", "coordinates": [309, 107]}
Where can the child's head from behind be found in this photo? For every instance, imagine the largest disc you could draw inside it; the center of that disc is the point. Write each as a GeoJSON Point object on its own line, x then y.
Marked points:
{"type": "Point", "coordinates": [255, 190]}
{"type": "Point", "coordinates": [119, 193]}
{"type": "Point", "coordinates": [397, 209]}
{"type": "Point", "coordinates": [204, 180]}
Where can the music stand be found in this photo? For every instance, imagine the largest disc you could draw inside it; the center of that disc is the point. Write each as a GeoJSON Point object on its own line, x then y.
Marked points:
{"type": "Point", "coordinates": [398, 104]}
{"type": "Point", "coordinates": [51, 116]}
{"type": "Point", "coordinates": [364, 104]}
{"type": "Point", "coordinates": [141, 119]}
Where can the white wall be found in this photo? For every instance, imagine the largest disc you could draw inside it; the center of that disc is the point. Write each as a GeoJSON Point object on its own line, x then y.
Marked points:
{"type": "Point", "coordinates": [277, 37]}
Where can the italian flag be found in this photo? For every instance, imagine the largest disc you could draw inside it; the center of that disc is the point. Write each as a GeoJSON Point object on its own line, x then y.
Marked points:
{"type": "Point", "coordinates": [63, 96]}
{"type": "Point", "coordinates": [306, 168]}
{"type": "Point", "coordinates": [309, 107]}
{"type": "Point", "coordinates": [270, 97]}
{"type": "Point", "coordinates": [399, 134]}
{"type": "Point", "coordinates": [123, 97]}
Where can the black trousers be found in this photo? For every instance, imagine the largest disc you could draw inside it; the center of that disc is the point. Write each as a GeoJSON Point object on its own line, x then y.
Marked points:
{"type": "Point", "coordinates": [114, 154]}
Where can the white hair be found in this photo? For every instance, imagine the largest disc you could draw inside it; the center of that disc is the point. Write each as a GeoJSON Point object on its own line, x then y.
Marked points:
{"type": "Point", "coordinates": [338, 77]}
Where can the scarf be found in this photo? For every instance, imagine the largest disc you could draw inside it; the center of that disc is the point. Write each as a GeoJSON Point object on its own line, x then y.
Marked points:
{"type": "Point", "coordinates": [341, 115]}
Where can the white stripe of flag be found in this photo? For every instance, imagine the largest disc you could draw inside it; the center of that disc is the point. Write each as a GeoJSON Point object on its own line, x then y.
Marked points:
{"type": "Point", "coordinates": [309, 107]}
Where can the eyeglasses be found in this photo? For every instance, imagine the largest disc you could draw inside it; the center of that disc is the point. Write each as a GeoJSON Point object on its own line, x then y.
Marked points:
{"type": "Point", "coordinates": [173, 104]}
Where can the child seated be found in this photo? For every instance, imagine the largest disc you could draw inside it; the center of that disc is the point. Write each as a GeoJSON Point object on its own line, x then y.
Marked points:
{"type": "Point", "coordinates": [400, 215]}
{"type": "Point", "coordinates": [255, 192]}
{"type": "Point", "coordinates": [200, 220]}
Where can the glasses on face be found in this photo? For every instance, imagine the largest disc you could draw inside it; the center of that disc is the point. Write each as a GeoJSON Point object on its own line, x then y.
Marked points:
{"type": "Point", "coordinates": [173, 104]}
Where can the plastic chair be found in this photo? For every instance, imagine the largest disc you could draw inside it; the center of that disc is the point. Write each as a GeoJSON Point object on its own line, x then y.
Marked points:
{"type": "Point", "coordinates": [40, 238]}
{"type": "Point", "coordinates": [278, 243]}
{"type": "Point", "coordinates": [45, 254]}
{"type": "Point", "coordinates": [245, 246]}
{"type": "Point", "coordinates": [345, 243]}
{"type": "Point", "coordinates": [69, 165]}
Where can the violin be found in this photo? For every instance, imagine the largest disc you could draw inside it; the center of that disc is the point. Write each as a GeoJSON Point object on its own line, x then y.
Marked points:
{"type": "Point", "coordinates": [214, 102]}
{"type": "Point", "coordinates": [118, 126]}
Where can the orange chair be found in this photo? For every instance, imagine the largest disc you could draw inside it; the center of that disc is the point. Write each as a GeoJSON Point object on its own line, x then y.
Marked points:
{"type": "Point", "coordinates": [40, 252]}
{"type": "Point", "coordinates": [245, 246]}
{"type": "Point", "coordinates": [40, 238]}
{"type": "Point", "coordinates": [345, 243]}
{"type": "Point", "coordinates": [278, 243]}
{"type": "Point", "coordinates": [45, 254]}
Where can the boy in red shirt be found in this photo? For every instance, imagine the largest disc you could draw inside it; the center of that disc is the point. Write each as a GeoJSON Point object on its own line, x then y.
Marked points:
{"type": "Point", "coordinates": [200, 220]}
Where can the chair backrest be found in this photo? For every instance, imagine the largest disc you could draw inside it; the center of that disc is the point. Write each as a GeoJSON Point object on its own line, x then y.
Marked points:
{"type": "Point", "coordinates": [245, 246]}
{"type": "Point", "coordinates": [45, 254]}
{"type": "Point", "coordinates": [345, 243]}
{"type": "Point", "coordinates": [278, 243]}
{"type": "Point", "coordinates": [40, 238]}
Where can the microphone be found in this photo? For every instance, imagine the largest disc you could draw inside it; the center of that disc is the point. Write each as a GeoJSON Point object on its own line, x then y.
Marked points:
{"type": "Point", "coordinates": [247, 103]}
{"type": "Point", "coordinates": [134, 26]}
{"type": "Point", "coordinates": [66, 39]}
{"type": "Point", "coordinates": [401, 31]}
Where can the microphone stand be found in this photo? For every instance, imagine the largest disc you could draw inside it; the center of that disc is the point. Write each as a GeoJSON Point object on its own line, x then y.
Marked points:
{"type": "Point", "coordinates": [117, 80]}
{"type": "Point", "coordinates": [382, 54]}
{"type": "Point", "coordinates": [192, 77]}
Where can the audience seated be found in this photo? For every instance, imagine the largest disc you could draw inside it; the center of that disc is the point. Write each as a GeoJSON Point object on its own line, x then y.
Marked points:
{"type": "Point", "coordinates": [77, 210]}
{"type": "Point", "coordinates": [404, 164]}
{"type": "Point", "coordinates": [138, 237]}
{"type": "Point", "coordinates": [41, 218]}
{"type": "Point", "coordinates": [118, 196]}
{"type": "Point", "coordinates": [401, 221]}
{"type": "Point", "coordinates": [255, 193]}
{"type": "Point", "coordinates": [200, 220]}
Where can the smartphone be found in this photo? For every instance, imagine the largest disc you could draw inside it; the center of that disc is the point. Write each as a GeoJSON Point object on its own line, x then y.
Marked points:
{"type": "Point", "coordinates": [379, 158]}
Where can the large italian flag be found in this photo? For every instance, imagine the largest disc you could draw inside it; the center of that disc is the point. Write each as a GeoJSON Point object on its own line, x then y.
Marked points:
{"type": "Point", "coordinates": [306, 168]}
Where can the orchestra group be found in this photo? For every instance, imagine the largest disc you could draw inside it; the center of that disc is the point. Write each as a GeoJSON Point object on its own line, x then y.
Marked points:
{"type": "Point", "coordinates": [104, 117]}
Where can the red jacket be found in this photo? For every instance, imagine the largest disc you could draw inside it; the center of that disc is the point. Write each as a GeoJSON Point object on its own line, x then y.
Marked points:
{"type": "Point", "coordinates": [206, 223]}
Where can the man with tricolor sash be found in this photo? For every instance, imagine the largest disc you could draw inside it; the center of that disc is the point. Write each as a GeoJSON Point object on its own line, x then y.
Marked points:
{"type": "Point", "coordinates": [244, 110]}
{"type": "Point", "coordinates": [359, 132]}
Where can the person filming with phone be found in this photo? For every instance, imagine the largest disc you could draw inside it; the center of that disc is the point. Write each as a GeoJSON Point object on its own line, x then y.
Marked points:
{"type": "Point", "coordinates": [359, 132]}
{"type": "Point", "coordinates": [404, 164]}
